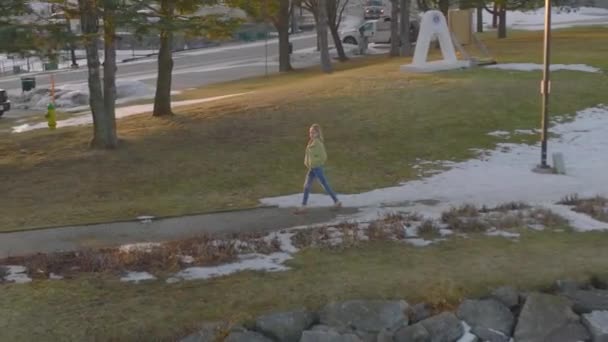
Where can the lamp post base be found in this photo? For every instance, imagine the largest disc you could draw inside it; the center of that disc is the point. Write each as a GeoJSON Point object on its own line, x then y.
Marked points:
{"type": "Point", "coordinates": [544, 170]}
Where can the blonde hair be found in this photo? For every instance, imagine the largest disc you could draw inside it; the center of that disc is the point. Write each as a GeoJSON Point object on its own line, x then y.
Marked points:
{"type": "Point", "coordinates": [317, 128]}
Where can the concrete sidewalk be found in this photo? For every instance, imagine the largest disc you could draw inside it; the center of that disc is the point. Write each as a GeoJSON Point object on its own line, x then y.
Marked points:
{"type": "Point", "coordinates": [119, 233]}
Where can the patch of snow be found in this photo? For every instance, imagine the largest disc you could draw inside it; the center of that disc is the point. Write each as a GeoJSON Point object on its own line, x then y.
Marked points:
{"type": "Point", "coordinates": [53, 276]}
{"type": "Point", "coordinates": [535, 67]}
{"type": "Point", "coordinates": [578, 221]}
{"type": "Point", "coordinates": [503, 176]}
{"type": "Point", "coordinates": [186, 259]}
{"type": "Point", "coordinates": [527, 131]}
{"type": "Point", "coordinates": [502, 233]}
{"type": "Point", "coordinates": [537, 226]}
{"type": "Point", "coordinates": [446, 232]}
{"type": "Point", "coordinates": [500, 134]}
{"type": "Point", "coordinates": [76, 94]}
{"type": "Point", "coordinates": [418, 242]}
{"type": "Point", "coordinates": [145, 218]}
{"type": "Point", "coordinates": [250, 262]}
{"type": "Point", "coordinates": [16, 274]}
{"type": "Point", "coordinates": [172, 280]}
{"type": "Point", "coordinates": [121, 112]}
{"type": "Point", "coordinates": [411, 231]}
{"type": "Point", "coordinates": [284, 239]}
{"type": "Point", "coordinates": [137, 277]}
{"type": "Point", "coordinates": [139, 247]}
{"type": "Point", "coordinates": [467, 336]}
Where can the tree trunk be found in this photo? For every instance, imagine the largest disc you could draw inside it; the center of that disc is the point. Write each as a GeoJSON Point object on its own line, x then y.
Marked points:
{"type": "Point", "coordinates": [334, 19]}
{"type": "Point", "coordinates": [282, 26]}
{"type": "Point", "coordinates": [109, 74]}
{"type": "Point", "coordinates": [162, 99]}
{"type": "Point", "coordinates": [495, 16]}
{"type": "Point", "coordinates": [395, 41]}
{"type": "Point", "coordinates": [406, 44]}
{"type": "Point", "coordinates": [502, 22]}
{"type": "Point", "coordinates": [480, 19]}
{"type": "Point", "coordinates": [323, 39]}
{"type": "Point", "coordinates": [335, 34]}
{"type": "Point", "coordinates": [90, 30]}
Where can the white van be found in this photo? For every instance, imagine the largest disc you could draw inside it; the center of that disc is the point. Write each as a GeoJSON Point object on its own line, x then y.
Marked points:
{"type": "Point", "coordinates": [377, 31]}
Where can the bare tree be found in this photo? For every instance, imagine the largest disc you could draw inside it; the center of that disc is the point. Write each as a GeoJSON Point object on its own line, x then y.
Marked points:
{"type": "Point", "coordinates": [104, 126]}
{"type": "Point", "coordinates": [406, 44]}
{"type": "Point", "coordinates": [335, 12]}
{"type": "Point", "coordinates": [323, 39]}
{"type": "Point", "coordinates": [395, 40]}
{"type": "Point", "coordinates": [162, 98]}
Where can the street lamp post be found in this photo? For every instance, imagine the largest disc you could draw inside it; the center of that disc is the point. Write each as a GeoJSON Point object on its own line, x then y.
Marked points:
{"type": "Point", "coordinates": [546, 87]}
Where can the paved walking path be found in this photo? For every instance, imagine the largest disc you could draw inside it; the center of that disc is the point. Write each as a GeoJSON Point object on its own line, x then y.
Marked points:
{"type": "Point", "coordinates": [119, 233]}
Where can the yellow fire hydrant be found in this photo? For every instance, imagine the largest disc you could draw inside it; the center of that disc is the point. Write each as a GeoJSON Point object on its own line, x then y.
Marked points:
{"type": "Point", "coordinates": [51, 116]}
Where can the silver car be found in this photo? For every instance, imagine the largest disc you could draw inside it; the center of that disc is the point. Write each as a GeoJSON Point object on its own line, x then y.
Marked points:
{"type": "Point", "coordinates": [373, 9]}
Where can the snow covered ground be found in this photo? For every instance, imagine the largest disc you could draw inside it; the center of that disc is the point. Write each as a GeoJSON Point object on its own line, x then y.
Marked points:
{"type": "Point", "coordinates": [535, 67]}
{"type": "Point", "coordinates": [499, 176]}
{"type": "Point", "coordinates": [121, 112]}
{"type": "Point", "coordinates": [535, 19]}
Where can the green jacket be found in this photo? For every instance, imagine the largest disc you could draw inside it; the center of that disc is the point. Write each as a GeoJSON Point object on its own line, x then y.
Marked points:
{"type": "Point", "coordinates": [315, 154]}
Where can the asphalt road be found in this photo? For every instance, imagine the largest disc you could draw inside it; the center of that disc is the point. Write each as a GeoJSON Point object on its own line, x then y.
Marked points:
{"type": "Point", "coordinates": [192, 68]}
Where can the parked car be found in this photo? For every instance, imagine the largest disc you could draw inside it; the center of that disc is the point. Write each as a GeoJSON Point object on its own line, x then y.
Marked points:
{"type": "Point", "coordinates": [373, 9]}
{"type": "Point", "coordinates": [377, 31]}
{"type": "Point", "coordinates": [5, 104]}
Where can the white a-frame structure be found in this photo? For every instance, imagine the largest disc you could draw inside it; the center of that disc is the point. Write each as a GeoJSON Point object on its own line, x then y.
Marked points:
{"type": "Point", "coordinates": [434, 24]}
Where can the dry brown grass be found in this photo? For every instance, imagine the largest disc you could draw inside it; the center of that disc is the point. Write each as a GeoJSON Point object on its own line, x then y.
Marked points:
{"type": "Point", "coordinates": [596, 207]}
{"type": "Point", "coordinates": [154, 258]}
{"type": "Point", "coordinates": [428, 230]}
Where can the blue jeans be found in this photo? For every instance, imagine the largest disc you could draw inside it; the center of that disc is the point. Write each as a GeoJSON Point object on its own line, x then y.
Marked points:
{"type": "Point", "coordinates": [318, 173]}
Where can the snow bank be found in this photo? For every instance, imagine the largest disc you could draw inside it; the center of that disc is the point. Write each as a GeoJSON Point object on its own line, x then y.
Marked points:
{"type": "Point", "coordinates": [76, 95]}
{"type": "Point", "coordinates": [561, 18]}
{"type": "Point", "coordinates": [503, 175]}
{"type": "Point", "coordinates": [536, 67]}
{"type": "Point", "coordinates": [121, 112]}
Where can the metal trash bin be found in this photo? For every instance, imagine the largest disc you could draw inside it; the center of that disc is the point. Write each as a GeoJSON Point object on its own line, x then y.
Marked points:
{"type": "Point", "coordinates": [28, 83]}
{"type": "Point", "coordinates": [16, 69]}
{"type": "Point", "coordinates": [50, 66]}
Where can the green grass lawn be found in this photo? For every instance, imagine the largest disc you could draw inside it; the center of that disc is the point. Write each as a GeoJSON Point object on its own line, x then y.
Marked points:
{"type": "Point", "coordinates": [228, 154]}
{"type": "Point", "coordinates": [103, 309]}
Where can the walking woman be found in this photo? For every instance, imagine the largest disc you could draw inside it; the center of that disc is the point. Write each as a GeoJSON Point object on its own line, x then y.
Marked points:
{"type": "Point", "coordinates": [314, 159]}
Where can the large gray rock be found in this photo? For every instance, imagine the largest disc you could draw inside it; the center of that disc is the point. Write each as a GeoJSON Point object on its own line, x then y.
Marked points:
{"type": "Point", "coordinates": [327, 334]}
{"type": "Point", "coordinates": [573, 332]}
{"type": "Point", "coordinates": [541, 315]}
{"type": "Point", "coordinates": [209, 332]}
{"type": "Point", "coordinates": [587, 301]}
{"type": "Point", "coordinates": [285, 326]}
{"type": "Point", "coordinates": [412, 333]}
{"type": "Point", "coordinates": [507, 295]}
{"type": "Point", "coordinates": [597, 323]}
{"type": "Point", "coordinates": [419, 312]}
{"type": "Point", "coordinates": [488, 316]}
{"type": "Point", "coordinates": [365, 316]}
{"type": "Point", "coordinates": [445, 327]}
{"type": "Point", "coordinates": [246, 336]}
